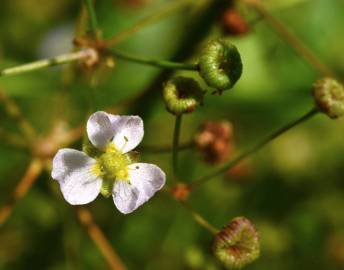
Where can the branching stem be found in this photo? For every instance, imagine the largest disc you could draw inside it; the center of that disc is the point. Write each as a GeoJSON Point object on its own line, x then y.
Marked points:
{"type": "Point", "coordinates": [254, 149]}
{"type": "Point", "coordinates": [153, 62]}
{"type": "Point", "coordinates": [49, 62]}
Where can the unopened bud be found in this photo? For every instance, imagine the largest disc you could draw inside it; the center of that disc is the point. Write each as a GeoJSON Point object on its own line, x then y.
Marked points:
{"type": "Point", "coordinates": [181, 191]}
{"type": "Point", "coordinates": [233, 23]}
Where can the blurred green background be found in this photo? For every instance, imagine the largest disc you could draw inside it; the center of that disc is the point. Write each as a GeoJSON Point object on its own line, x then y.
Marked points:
{"type": "Point", "coordinates": [293, 190]}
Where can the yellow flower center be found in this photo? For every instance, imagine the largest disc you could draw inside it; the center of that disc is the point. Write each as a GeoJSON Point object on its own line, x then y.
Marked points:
{"type": "Point", "coordinates": [111, 165]}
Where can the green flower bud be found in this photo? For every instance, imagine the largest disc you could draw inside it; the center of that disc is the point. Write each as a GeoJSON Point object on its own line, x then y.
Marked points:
{"type": "Point", "coordinates": [182, 95]}
{"type": "Point", "coordinates": [237, 244]}
{"type": "Point", "coordinates": [329, 97]}
{"type": "Point", "coordinates": [220, 64]}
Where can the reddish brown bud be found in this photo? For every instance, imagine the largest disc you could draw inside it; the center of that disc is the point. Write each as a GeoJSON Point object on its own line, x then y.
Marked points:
{"type": "Point", "coordinates": [180, 191]}
{"type": "Point", "coordinates": [215, 141]}
{"type": "Point", "coordinates": [233, 23]}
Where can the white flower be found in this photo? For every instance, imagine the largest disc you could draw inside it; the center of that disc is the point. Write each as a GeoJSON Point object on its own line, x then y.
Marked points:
{"type": "Point", "coordinates": [111, 171]}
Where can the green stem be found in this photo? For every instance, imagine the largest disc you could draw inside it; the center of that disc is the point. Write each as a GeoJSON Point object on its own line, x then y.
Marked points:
{"type": "Point", "coordinates": [199, 219]}
{"type": "Point", "coordinates": [159, 14]}
{"type": "Point", "coordinates": [153, 62]}
{"type": "Point", "coordinates": [175, 144]}
{"type": "Point", "coordinates": [92, 16]}
{"type": "Point", "coordinates": [254, 149]}
{"type": "Point", "coordinates": [44, 63]}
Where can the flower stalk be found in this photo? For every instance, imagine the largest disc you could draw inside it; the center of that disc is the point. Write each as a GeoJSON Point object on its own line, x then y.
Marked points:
{"type": "Point", "coordinates": [92, 17]}
{"type": "Point", "coordinates": [49, 62]}
{"type": "Point", "coordinates": [175, 148]}
{"type": "Point", "coordinates": [98, 237]}
{"type": "Point", "coordinates": [199, 219]}
{"type": "Point", "coordinates": [32, 173]}
{"type": "Point", "coordinates": [152, 62]}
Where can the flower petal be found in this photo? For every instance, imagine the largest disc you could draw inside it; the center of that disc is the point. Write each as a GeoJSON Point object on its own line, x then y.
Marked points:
{"type": "Point", "coordinates": [73, 170]}
{"type": "Point", "coordinates": [125, 196]}
{"type": "Point", "coordinates": [100, 129]}
{"type": "Point", "coordinates": [128, 131]}
{"type": "Point", "coordinates": [147, 178]}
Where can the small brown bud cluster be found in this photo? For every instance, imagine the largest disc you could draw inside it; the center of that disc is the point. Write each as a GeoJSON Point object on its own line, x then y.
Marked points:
{"type": "Point", "coordinates": [233, 22]}
{"type": "Point", "coordinates": [237, 244]}
{"type": "Point", "coordinates": [94, 52]}
{"type": "Point", "coordinates": [215, 141]}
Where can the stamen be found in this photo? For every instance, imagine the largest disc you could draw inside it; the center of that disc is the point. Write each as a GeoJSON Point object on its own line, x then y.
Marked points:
{"type": "Point", "coordinates": [113, 165]}
{"type": "Point", "coordinates": [126, 140]}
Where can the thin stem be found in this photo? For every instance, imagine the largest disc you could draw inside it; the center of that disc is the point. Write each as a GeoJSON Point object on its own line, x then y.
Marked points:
{"type": "Point", "coordinates": [254, 149]}
{"type": "Point", "coordinates": [300, 48]}
{"type": "Point", "coordinates": [159, 14]}
{"type": "Point", "coordinates": [163, 149]}
{"type": "Point", "coordinates": [49, 62]}
{"type": "Point", "coordinates": [14, 112]}
{"type": "Point", "coordinates": [199, 219]}
{"type": "Point", "coordinates": [99, 239]}
{"type": "Point", "coordinates": [153, 62]}
{"type": "Point", "coordinates": [92, 16]}
{"type": "Point", "coordinates": [32, 173]}
{"type": "Point", "coordinates": [175, 145]}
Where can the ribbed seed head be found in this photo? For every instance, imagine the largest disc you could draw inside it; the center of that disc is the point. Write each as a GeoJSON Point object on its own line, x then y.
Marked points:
{"type": "Point", "coordinates": [329, 97]}
{"type": "Point", "coordinates": [220, 64]}
{"type": "Point", "coordinates": [237, 244]}
{"type": "Point", "coordinates": [182, 95]}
